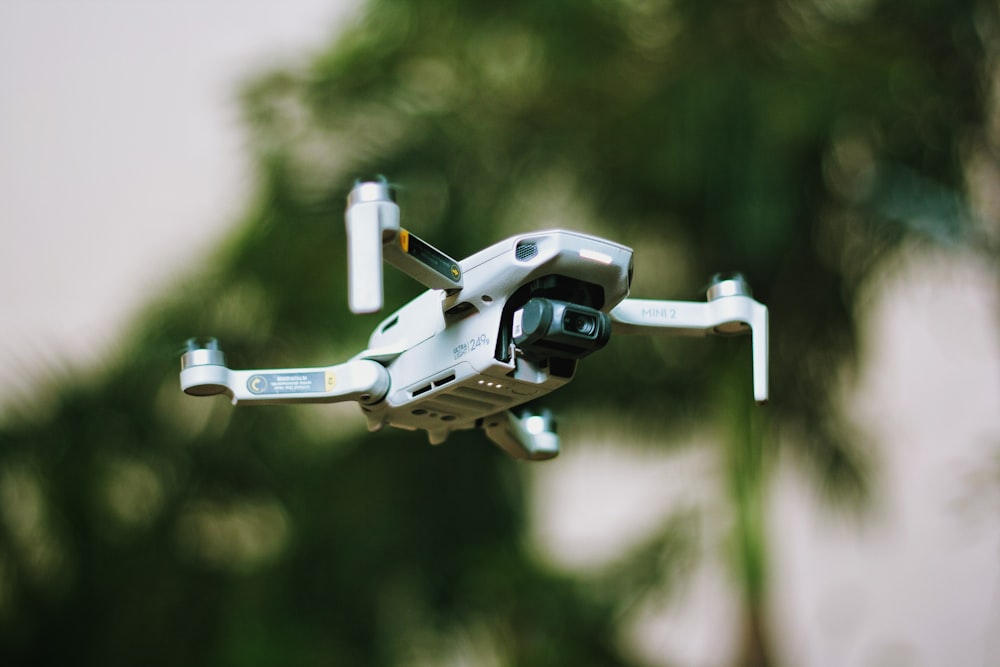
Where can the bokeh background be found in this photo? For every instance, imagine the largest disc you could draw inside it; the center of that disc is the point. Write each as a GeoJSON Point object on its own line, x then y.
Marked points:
{"type": "Point", "coordinates": [178, 170]}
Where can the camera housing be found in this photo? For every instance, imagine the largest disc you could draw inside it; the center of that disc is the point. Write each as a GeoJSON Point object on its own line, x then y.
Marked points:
{"type": "Point", "coordinates": [549, 328]}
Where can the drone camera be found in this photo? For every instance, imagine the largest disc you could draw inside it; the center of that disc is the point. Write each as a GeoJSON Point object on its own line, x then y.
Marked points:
{"type": "Point", "coordinates": [550, 328]}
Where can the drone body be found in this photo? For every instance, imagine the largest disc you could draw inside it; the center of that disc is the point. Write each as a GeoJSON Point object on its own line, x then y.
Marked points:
{"type": "Point", "coordinates": [505, 326]}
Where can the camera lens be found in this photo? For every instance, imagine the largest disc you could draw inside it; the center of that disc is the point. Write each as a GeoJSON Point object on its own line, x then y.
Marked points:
{"type": "Point", "coordinates": [579, 323]}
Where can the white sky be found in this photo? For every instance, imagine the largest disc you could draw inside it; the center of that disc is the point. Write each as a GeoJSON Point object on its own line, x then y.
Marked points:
{"type": "Point", "coordinates": [121, 155]}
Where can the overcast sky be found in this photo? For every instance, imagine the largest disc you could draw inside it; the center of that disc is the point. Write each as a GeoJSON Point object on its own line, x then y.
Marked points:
{"type": "Point", "coordinates": [121, 155]}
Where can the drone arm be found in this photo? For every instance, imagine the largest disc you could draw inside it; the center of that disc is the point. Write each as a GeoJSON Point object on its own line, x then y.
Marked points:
{"type": "Point", "coordinates": [724, 315]}
{"type": "Point", "coordinates": [373, 232]}
{"type": "Point", "coordinates": [531, 436]}
{"type": "Point", "coordinates": [204, 373]}
{"type": "Point", "coordinates": [649, 317]}
{"type": "Point", "coordinates": [422, 261]}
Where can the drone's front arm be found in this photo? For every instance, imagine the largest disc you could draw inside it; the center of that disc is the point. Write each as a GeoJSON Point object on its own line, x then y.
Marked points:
{"type": "Point", "coordinates": [373, 232]}
{"type": "Point", "coordinates": [730, 311]}
{"type": "Point", "coordinates": [204, 373]}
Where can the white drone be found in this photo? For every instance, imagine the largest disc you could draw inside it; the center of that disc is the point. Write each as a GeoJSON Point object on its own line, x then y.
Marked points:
{"type": "Point", "coordinates": [500, 328]}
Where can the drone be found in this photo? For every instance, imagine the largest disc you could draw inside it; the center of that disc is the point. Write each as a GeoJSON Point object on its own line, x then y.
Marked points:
{"type": "Point", "coordinates": [505, 326]}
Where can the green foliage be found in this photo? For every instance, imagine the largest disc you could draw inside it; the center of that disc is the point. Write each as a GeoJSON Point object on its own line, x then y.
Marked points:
{"type": "Point", "coordinates": [141, 526]}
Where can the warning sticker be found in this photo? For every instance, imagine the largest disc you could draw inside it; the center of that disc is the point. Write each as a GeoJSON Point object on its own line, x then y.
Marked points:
{"type": "Point", "coordinates": [291, 383]}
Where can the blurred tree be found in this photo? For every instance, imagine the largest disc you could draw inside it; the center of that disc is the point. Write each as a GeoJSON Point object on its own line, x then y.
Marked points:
{"type": "Point", "coordinates": [788, 139]}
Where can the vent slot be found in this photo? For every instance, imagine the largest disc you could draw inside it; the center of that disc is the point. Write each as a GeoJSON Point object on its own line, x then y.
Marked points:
{"type": "Point", "coordinates": [421, 390]}
{"type": "Point", "coordinates": [445, 380]}
{"type": "Point", "coordinates": [525, 250]}
{"type": "Point", "coordinates": [461, 310]}
{"type": "Point", "coordinates": [390, 324]}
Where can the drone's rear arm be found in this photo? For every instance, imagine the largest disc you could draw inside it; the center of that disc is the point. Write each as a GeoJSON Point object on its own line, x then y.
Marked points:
{"type": "Point", "coordinates": [528, 436]}
{"type": "Point", "coordinates": [204, 373]}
